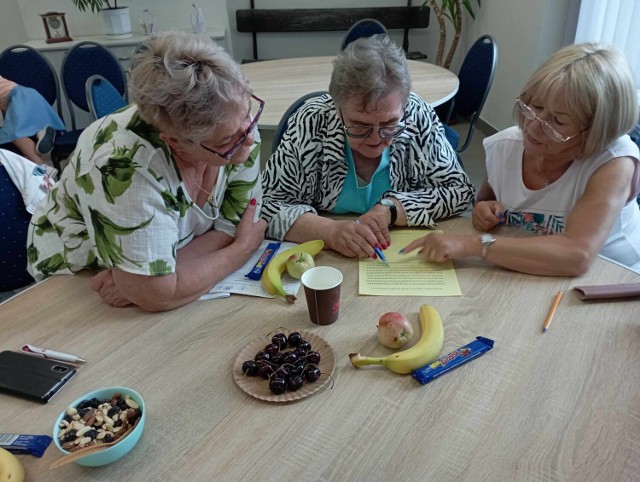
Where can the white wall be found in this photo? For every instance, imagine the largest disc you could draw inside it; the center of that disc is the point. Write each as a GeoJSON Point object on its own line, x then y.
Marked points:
{"type": "Point", "coordinates": [12, 29]}
{"type": "Point", "coordinates": [526, 31]}
{"type": "Point", "coordinates": [171, 14]}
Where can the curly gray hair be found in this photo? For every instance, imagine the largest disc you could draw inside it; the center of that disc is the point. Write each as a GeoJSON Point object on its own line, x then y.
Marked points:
{"type": "Point", "coordinates": [185, 85]}
{"type": "Point", "coordinates": [368, 70]}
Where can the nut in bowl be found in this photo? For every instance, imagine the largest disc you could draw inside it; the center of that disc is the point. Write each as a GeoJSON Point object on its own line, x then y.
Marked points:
{"type": "Point", "coordinates": [100, 417]}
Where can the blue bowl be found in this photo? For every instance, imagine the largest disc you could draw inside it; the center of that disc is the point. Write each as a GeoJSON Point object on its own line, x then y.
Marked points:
{"type": "Point", "coordinates": [122, 447]}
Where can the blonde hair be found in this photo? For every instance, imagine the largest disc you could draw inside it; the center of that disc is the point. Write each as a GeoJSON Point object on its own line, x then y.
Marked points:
{"type": "Point", "coordinates": [369, 69]}
{"type": "Point", "coordinates": [185, 85]}
{"type": "Point", "coordinates": [598, 85]}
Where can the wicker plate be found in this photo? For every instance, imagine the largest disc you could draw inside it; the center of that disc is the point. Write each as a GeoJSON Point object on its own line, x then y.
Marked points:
{"type": "Point", "coordinates": [258, 387]}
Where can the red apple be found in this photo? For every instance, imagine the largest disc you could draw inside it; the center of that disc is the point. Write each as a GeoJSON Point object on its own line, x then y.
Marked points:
{"type": "Point", "coordinates": [394, 330]}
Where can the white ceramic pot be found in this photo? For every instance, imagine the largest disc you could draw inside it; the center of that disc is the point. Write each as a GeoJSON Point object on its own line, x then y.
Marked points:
{"type": "Point", "coordinates": [117, 22]}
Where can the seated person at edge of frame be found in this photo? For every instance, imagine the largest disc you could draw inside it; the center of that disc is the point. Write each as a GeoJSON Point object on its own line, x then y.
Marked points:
{"type": "Point", "coordinates": [161, 198]}
{"type": "Point", "coordinates": [568, 170]}
{"type": "Point", "coordinates": [372, 148]}
{"type": "Point", "coordinates": [27, 116]}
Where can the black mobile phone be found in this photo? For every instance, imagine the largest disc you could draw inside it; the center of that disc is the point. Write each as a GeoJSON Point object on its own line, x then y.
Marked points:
{"type": "Point", "coordinates": [31, 377]}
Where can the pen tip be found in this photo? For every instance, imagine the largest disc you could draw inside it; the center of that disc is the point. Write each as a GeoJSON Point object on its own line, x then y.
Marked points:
{"type": "Point", "coordinates": [544, 330]}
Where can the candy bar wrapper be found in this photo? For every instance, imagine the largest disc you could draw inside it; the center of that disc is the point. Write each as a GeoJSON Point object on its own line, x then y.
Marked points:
{"type": "Point", "coordinates": [454, 359]}
{"type": "Point", "coordinates": [25, 444]}
{"type": "Point", "coordinates": [256, 272]}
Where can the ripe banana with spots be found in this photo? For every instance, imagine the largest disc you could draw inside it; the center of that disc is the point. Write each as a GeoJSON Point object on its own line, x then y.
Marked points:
{"type": "Point", "coordinates": [11, 469]}
{"type": "Point", "coordinates": [272, 276]}
{"type": "Point", "coordinates": [425, 351]}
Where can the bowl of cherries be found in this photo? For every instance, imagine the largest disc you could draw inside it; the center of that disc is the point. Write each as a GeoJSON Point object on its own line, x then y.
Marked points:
{"type": "Point", "coordinates": [283, 367]}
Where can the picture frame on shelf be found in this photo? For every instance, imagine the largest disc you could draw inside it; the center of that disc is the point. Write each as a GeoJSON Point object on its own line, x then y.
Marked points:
{"type": "Point", "coordinates": [55, 27]}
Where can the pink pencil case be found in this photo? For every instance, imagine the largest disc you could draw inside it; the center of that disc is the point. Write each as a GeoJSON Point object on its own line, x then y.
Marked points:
{"type": "Point", "coordinates": [596, 292]}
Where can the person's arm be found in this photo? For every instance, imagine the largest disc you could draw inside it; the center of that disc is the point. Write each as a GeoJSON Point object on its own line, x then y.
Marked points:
{"type": "Point", "coordinates": [294, 179]}
{"type": "Point", "coordinates": [569, 253]}
{"type": "Point", "coordinates": [199, 266]}
{"type": "Point", "coordinates": [433, 185]}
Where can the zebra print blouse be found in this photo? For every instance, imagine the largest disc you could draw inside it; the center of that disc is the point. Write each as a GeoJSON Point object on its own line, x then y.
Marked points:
{"type": "Point", "coordinates": [307, 171]}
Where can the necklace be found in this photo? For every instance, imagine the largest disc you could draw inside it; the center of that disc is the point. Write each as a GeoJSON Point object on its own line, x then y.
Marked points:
{"type": "Point", "coordinates": [208, 193]}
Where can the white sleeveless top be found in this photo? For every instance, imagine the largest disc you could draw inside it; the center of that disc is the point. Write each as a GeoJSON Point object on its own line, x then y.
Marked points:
{"type": "Point", "coordinates": [544, 210]}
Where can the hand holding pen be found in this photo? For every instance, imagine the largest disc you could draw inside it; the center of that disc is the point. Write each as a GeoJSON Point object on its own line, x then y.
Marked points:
{"type": "Point", "coordinates": [377, 250]}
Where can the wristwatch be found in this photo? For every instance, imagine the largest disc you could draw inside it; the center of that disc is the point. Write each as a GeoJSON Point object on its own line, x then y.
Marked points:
{"type": "Point", "coordinates": [392, 209]}
{"type": "Point", "coordinates": [486, 240]}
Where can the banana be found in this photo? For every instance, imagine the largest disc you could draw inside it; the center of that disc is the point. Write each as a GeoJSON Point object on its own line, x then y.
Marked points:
{"type": "Point", "coordinates": [272, 276]}
{"type": "Point", "coordinates": [11, 469]}
{"type": "Point", "coordinates": [425, 351]}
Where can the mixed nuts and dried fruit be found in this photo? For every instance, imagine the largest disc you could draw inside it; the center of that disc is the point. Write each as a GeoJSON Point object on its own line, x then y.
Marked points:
{"type": "Point", "coordinates": [95, 421]}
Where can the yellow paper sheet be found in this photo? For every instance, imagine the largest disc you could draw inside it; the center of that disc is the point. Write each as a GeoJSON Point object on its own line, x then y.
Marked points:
{"type": "Point", "coordinates": [407, 275]}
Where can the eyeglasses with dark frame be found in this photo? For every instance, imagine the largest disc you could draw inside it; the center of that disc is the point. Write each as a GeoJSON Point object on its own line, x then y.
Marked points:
{"type": "Point", "coordinates": [385, 132]}
{"type": "Point", "coordinates": [234, 148]}
{"type": "Point", "coordinates": [530, 114]}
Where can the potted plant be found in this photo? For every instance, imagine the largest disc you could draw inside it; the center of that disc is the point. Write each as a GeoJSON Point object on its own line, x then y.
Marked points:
{"type": "Point", "coordinates": [451, 9]}
{"type": "Point", "coordinates": [116, 19]}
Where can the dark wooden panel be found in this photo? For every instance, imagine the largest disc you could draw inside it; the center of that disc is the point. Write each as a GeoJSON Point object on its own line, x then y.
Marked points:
{"type": "Point", "coordinates": [328, 19]}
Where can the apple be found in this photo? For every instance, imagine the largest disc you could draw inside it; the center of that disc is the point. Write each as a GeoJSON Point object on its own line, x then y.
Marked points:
{"type": "Point", "coordinates": [394, 330]}
{"type": "Point", "coordinates": [299, 263]}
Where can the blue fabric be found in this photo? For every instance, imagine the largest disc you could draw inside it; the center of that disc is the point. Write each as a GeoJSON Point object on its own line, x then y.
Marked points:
{"type": "Point", "coordinates": [359, 199]}
{"type": "Point", "coordinates": [106, 99]}
{"type": "Point", "coordinates": [14, 224]}
{"type": "Point", "coordinates": [27, 113]}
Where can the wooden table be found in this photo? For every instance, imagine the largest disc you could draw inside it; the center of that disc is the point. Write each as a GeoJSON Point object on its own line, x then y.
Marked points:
{"type": "Point", "coordinates": [280, 82]}
{"type": "Point", "coordinates": [560, 406]}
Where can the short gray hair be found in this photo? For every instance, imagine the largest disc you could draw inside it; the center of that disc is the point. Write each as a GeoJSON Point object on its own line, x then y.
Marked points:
{"type": "Point", "coordinates": [599, 87]}
{"type": "Point", "coordinates": [185, 84]}
{"type": "Point", "coordinates": [369, 69]}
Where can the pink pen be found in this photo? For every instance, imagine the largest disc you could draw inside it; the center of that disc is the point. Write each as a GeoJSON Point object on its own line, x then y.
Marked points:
{"type": "Point", "coordinates": [50, 354]}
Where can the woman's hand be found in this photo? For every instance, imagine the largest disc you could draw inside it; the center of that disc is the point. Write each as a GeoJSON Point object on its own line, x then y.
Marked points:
{"type": "Point", "coordinates": [250, 233]}
{"type": "Point", "coordinates": [377, 219]}
{"type": "Point", "coordinates": [438, 248]}
{"type": "Point", "coordinates": [351, 239]}
{"type": "Point", "coordinates": [104, 284]}
{"type": "Point", "coordinates": [487, 215]}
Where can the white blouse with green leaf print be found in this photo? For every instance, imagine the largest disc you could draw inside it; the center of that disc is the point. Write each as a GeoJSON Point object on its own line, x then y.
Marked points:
{"type": "Point", "coordinates": [121, 203]}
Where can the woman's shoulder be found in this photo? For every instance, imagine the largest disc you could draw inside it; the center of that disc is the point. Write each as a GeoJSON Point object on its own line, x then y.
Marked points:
{"type": "Point", "coordinates": [511, 135]}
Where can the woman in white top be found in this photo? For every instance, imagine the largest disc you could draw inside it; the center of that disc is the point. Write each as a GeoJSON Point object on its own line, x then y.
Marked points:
{"type": "Point", "coordinates": [568, 170]}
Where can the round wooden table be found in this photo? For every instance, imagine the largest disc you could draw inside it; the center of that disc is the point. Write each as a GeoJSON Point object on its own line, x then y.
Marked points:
{"type": "Point", "coordinates": [280, 82]}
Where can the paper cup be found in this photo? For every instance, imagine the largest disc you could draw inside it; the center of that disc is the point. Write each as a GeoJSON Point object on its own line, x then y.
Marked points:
{"type": "Point", "coordinates": [322, 290]}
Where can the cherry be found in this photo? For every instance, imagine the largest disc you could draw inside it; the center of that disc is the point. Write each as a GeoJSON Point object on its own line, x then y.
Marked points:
{"type": "Point", "coordinates": [280, 340]}
{"type": "Point", "coordinates": [291, 358]}
{"type": "Point", "coordinates": [277, 358]}
{"type": "Point", "coordinates": [262, 356]}
{"type": "Point", "coordinates": [312, 374]}
{"type": "Point", "coordinates": [277, 385]}
{"type": "Point", "coordinates": [295, 383]}
{"type": "Point", "coordinates": [250, 368]}
{"type": "Point", "coordinates": [294, 339]}
{"type": "Point", "coordinates": [264, 369]}
{"type": "Point", "coordinates": [313, 357]}
{"type": "Point", "coordinates": [271, 349]}
{"type": "Point", "coordinates": [304, 345]}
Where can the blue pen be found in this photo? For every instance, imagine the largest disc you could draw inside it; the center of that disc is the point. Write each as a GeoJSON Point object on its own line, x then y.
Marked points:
{"type": "Point", "coordinates": [378, 252]}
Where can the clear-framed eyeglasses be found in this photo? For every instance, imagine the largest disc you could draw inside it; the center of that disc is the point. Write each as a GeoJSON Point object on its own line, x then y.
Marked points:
{"type": "Point", "coordinates": [233, 149]}
{"type": "Point", "coordinates": [548, 129]}
{"type": "Point", "coordinates": [385, 132]}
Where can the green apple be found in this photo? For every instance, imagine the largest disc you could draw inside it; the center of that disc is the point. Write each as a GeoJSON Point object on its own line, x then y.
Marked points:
{"type": "Point", "coordinates": [298, 264]}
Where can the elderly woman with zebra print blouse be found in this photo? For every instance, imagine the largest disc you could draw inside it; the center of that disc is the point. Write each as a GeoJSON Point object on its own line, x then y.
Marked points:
{"type": "Point", "coordinates": [372, 148]}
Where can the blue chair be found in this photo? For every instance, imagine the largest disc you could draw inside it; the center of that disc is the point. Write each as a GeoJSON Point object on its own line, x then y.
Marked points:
{"type": "Point", "coordinates": [14, 225]}
{"type": "Point", "coordinates": [284, 120]}
{"type": "Point", "coordinates": [102, 97]}
{"type": "Point", "coordinates": [367, 27]}
{"type": "Point", "coordinates": [476, 77]}
{"type": "Point", "coordinates": [26, 66]}
{"type": "Point", "coordinates": [81, 62]}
